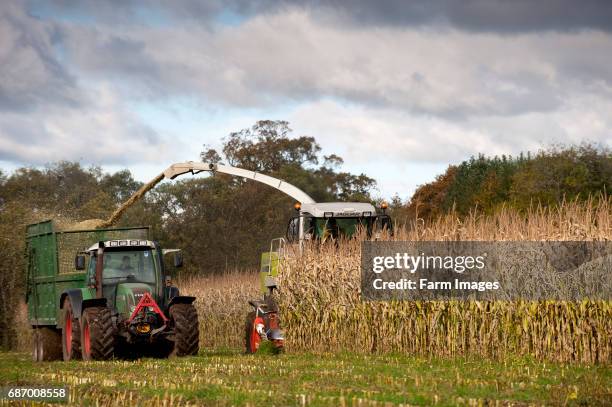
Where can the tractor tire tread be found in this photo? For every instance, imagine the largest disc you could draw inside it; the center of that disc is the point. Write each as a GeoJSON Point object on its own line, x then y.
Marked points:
{"type": "Point", "coordinates": [186, 330]}
{"type": "Point", "coordinates": [101, 331]}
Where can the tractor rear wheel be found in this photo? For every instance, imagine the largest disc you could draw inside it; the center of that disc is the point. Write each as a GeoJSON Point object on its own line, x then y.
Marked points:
{"type": "Point", "coordinates": [97, 334]}
{"type": "Point", "coordinates": [71, 333]}
{"type": "Point", "coordinates": [47, 344]}
{"type": "Point", "coordinates": [184, 318]}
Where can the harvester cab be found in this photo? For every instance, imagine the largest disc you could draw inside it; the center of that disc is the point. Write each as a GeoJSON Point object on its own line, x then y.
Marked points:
{"type": "Point", "coordinates": [333, 220]}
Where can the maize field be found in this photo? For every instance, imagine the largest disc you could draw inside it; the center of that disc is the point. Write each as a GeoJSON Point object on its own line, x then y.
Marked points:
{"type": "Point", "coordinates": [321, 308]}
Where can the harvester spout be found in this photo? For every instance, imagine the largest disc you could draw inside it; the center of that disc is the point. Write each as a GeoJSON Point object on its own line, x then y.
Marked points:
{"type": "Point", "coordinates": [192, 167]}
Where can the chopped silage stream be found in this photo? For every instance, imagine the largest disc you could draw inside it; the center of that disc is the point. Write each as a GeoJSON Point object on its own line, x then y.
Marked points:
{"type": "Point", "coordinates": [90, 224]}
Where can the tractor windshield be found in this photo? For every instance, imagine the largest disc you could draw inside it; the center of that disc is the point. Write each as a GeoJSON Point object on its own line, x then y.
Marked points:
{"type": "Point", "coordinates": [124, 264]}
{"type": "Point", "coordinates": [336, 227]}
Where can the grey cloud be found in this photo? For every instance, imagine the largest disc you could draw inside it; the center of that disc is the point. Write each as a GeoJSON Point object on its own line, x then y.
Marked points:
{"type": "Point", "coordinates": [472, 15]}
{"type": "Point", "coordinates": [436, 92]}
{"type": "Point", "coordinates": [291, 57]}
{"type": "Point", "coordinates": [31, 73]}
{"type": "Point", "coordinates": [46, 114]}
{"type": "Point", "coordinates": [482, 15]}
{"type": "Point", "coordinates": [92, 134]}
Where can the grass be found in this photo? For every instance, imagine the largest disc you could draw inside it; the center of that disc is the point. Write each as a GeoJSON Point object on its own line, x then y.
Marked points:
{"type": "Point", "coordinates": [231, 378]}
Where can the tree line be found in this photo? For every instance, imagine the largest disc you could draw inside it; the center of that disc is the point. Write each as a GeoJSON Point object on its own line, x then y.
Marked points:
{"type": "Point", "coordinates": [485, 184]}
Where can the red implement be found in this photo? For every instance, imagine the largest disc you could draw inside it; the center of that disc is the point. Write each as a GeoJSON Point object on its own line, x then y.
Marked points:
{"type": "Point", "coordinates": [147, 301]}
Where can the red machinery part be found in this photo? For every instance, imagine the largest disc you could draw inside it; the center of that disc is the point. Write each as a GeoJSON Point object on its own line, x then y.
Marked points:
{"type": "Point", "coordinates": [255, 337]}
{"type": "Point", "coordinates": [147, 301]}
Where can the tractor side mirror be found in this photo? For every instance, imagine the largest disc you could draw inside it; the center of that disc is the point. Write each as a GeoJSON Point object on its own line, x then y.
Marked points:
{"type": "Point", "coordinates": [79, 262]}
{"type": "Point", "coordinates": [178, 259]}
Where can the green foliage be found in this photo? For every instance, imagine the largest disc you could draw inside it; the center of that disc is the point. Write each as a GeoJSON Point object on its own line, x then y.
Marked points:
{"type": "Point", "coordinates": [485, 183]}
{"type": "Point", "coordinates": [12, 278]}
{"type": "Point", "coordinates": [560, 173]}
{"type": "Point", "coordinates": [266, 147]}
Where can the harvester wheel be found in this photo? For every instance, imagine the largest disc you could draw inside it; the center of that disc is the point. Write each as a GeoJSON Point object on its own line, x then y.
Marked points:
{"type": "Point", "coordinates": [252, 339]}
{"type": "Point", "coordinates": [47, 344]}
{"type": "Point", "coordinates": [71, 333]}
{"type": "Point", "coordinates": [184, 318]}
{"type": "Point", "coordinates": [97, 334]}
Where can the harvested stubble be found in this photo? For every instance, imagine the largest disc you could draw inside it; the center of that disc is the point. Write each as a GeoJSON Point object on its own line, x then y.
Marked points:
{"type": "Point", "coordinates": [321, 308]}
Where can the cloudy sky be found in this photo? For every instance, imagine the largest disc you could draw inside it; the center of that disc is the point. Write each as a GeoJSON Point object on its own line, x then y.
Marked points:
{"type": "Point", "coordinates": [399, 89]}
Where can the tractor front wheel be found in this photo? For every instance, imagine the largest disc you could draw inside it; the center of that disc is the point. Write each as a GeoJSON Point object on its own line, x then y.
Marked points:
{"type": "Point", "coordinates": [97, 334]}
{"type": "Point", "coordinates": [184, 318]}
{"type": "Point", "coordinates": [71, 333]}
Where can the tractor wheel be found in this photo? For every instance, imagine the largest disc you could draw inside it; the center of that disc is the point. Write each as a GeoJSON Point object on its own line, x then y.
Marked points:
{"type": "Point", "coordinates": [47, 344]}
{"type": "Point", "coordinates": [97, 334]}
{"type": "Point", "coordinates": [71, 334]}
{"type": "Point", "coordinates": [184, 318]}
{"type": "Point", "coordinates": [252, 340]}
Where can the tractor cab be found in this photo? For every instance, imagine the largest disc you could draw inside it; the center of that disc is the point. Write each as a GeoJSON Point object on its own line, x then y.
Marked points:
{"type": "Point", "coordinates": [128, 269]}
{"type": "Point", "coordinates": [332, 220]}
{"type": "Point", "coordinates": [129, 276]}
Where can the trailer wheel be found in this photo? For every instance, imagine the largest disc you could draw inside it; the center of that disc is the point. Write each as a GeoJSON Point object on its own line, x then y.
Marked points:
{"type": "Point", "coordinates": [184, 318]}
{"type": "Point", "coordinates": [97, 334]}
{"type": "Point", "coordinates": [47, 344]}
{"type": "Point", "coordinates": [71, 333]}
{"type": "Point", "coordinates": [252, 339]}
{"type": "Point", "coordinates": [35, 344]}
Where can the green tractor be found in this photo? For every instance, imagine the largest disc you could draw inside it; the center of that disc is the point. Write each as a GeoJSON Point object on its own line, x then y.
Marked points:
{"type": "Point", "coordinates": [99, 294]}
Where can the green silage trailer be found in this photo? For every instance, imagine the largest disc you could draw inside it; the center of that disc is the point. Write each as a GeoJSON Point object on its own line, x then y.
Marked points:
{"type": "Point", "coordinates": [93, 294]}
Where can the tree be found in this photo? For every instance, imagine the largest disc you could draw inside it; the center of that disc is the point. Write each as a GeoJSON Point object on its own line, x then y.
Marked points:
{"type": "Point", "coordinates": [487, 183]}
{"type": "Point", "coordinates": [266, 147]}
